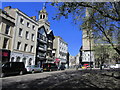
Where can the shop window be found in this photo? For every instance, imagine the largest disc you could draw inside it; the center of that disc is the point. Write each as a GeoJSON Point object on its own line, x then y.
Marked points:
{"type": "Point", "coordinates": [30, 61]}
{"type": "Point", "coordinates": [12, 59]}
{"type": "Point", "coordinates": [18, 59]}
{"type": "Point", "coordinates": [24, 60]}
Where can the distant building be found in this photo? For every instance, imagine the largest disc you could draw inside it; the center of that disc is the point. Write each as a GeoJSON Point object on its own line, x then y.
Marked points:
{"type": "Point", "coordinates": [67, 63]}
{"type": "Point", "coordinates": [77, 59]}
{"type": "Point", "coordinates": [61, 48]}
{"type": "Point", "coordinates": [6, 35]}
{"type": "Point", "coordinates": [72, 61]}
{"type": "Point", "coordinates": [87, 47]}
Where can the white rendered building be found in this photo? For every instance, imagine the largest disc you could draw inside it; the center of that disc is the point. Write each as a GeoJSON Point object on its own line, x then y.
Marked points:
{"type": "Point", "coordinates": [61, 49]}
{"type": "Point", "coordinates": [24, 37]}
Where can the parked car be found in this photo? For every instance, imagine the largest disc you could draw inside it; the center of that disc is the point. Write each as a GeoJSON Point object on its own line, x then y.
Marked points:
{"type": "Point", "coordinates": [34, 68]}
{"type": "Point", "coordinates": [50, 67]}
{"type": "Point", "coordinates": [13, 68]}
{"type": "Point", "coordinates": [85, 66]}
{"type": "Point", "coordinates": [62, 67]}
{"type": "Point", "coordinates": [115, 66]}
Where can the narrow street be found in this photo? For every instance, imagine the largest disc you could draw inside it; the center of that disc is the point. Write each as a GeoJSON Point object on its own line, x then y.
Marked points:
{"type": "Point", "coordinates": [67, 79]}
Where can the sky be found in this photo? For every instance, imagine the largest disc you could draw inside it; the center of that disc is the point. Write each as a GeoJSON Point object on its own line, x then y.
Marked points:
{"type": "Point", "coordinates": [64, 28]}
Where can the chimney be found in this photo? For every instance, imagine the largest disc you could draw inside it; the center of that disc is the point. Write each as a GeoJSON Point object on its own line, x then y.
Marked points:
{"type": "Point", "coordinates": [7, 8]}
{"type": "Point", "coordinates": [33, 17]}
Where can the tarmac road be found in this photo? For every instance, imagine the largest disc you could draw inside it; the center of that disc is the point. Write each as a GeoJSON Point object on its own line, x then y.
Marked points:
{"type": "Point", "coordinates": [62, 80]}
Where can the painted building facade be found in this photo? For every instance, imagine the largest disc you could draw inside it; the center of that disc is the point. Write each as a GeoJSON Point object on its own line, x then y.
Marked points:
{"type": "Point", "coordinates": [61, 48]}
{"type": "Point", "coordinates": [24, 37]}
{"type": "Point", "coordinates": [7, 24]}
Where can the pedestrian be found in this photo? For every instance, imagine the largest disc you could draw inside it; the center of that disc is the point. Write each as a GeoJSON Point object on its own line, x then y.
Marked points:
{"type": "Point", "coordinates": [77, 66]}
{"type": "Point", "coordinates": [101, 66]}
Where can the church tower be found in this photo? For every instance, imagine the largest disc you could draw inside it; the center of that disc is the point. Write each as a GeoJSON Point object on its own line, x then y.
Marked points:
{"type": "Point", "coordinates": [87, 39]}
{"type": "Point", "coordinates": [43, 15]}
{"type": "Point", "coordinates": [87, 44]}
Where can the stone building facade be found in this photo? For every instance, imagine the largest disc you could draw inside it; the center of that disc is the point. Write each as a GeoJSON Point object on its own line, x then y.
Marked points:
{"type": "Point", "coordinates": [24, 37]}
{"type": "Point", "coordinates": [29, 37]}
{"type": "Point", "coordinates": [7, 24]}
{"type": "Point", "coordinates": [87, 46]}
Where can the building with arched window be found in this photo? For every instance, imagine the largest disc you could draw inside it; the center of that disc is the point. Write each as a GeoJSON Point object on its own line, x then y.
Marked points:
{"type": "Point", "coordinates": [33, 39]}
{"type": "Point", "coordinates": [45, 39]}
{"type": "Point", "coordinates": [24, 37]}
{"type": "Point", "coordinates": [7, 24]}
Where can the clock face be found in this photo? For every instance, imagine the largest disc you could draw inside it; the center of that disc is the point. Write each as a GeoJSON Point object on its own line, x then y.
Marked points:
{"type": "Point", "coordinates": [42, 31]}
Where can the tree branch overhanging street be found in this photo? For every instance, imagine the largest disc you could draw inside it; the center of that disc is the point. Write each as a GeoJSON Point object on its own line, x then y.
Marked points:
{"type": "Point", "coordinates": [103, 16]}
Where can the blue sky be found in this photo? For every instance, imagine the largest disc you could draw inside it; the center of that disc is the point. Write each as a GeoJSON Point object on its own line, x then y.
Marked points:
{"type": "Point", "coordinates": [63, 27]}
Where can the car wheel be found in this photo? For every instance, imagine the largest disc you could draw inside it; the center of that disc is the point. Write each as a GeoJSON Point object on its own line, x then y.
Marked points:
{"type": "Point", "coordinates": [21, 73]}
{"type": "Point", "coordinates": [33, 71]}
{"type": "Point", "coordinates": [2, 75]}
{"type": "Point", "coordinates": [41, 71]}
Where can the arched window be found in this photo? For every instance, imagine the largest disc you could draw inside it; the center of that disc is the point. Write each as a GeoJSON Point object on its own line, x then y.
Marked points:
{"type": "Point", "coordinates": [43, 16]}
{"type": "Point", "coordinates": [40, 16]}
{"type": "Point", "coordinates": [18, 59]}
{"type": "Point", "coordinates": [30, 61]}
{"type": "Point", "coordinates": [24, 60]}
{"type": "Point", "coordinates": [42, 31]}
{"type": "Point", "coordinates": [12, 59]}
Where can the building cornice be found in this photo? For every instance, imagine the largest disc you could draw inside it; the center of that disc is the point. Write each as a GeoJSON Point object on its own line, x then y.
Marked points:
{"type": "Point", "coordinates": [26, 16]}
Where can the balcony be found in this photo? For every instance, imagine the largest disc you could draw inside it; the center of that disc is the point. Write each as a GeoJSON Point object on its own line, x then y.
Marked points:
{"type": "Point", "coordinates": [40, 56]}
{"type": "Point", "coordinates": [42, 48]}
{"type": "Point", "coordinates": [42, 38]}
{"type": "Point", "coordinates": [50, 41]}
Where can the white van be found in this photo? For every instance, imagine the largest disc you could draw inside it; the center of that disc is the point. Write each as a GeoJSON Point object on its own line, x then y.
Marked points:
{"type": "Point", "coordinates": [115, 66]}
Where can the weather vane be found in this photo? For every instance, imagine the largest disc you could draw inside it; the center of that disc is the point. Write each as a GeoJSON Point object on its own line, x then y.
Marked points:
{"type": "Point", "coordinates": [44, 5]}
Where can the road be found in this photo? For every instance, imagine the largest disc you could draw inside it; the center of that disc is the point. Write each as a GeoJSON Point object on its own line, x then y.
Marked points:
{"type": "Point", "coordinates": [67, 79]}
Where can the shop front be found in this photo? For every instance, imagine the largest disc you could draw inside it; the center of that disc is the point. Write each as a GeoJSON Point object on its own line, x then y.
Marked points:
{"type": "Point", "coordinates": [4, 55]}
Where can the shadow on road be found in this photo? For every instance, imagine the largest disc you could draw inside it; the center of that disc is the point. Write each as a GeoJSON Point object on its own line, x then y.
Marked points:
{"type": "Point", "coordinates": [75, 80]}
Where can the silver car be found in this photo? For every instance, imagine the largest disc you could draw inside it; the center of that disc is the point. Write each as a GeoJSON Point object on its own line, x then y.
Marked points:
{"type": "Point", "coordinates": [34, 68]}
